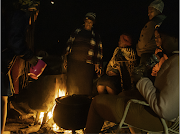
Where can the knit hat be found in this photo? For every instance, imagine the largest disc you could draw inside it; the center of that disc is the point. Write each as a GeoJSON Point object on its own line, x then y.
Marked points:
{"type": "Point", "coordinates": [91, 16]}
{"type": "Point", "coordinates": [157, 4]}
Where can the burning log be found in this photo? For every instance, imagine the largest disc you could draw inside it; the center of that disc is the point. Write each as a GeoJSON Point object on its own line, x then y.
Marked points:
{"type": "Point", "coordinates": [40, 96]}
{"type": "Point", "coordinates": [29, 129]}
{"type": "Point", "coordinates": [26, 121]}
{"type": "Point", "coordinates": [16, 114]}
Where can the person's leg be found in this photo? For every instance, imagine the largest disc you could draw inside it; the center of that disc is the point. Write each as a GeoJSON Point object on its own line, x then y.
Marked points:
{"type": "Point", "coordinates": [101, 89]}
{"type": "Point", "coordinates": [135, 131]}
{"type": "Point", "coordinates": [4, 101]}
{"type": "Point", "coordinates": [111, 108]}
{"type": "Point", "coordinates": [5, 92]}
{"type": "Point", "coordinates": [103, 107]}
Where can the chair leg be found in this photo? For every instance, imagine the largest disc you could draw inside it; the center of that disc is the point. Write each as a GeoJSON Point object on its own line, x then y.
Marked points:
{"type": "Point", "coordinates": [154, 133]}
{"type": "Point", "coordinates": [124, 116]}
{"type": "Point", "coordinates": [135, 130]}
{"type": "Point", "coordinates": [165, 126]}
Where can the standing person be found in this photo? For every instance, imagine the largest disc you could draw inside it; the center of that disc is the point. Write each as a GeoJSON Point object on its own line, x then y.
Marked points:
{"type": "Point", "coordinates": [119, 68]}
{"type": "Point", "coordinates": [146, 44]}
{"type": "Point", "coordinates": [85, 54]}
{"type": "Point", "coordinates": [13, 45]}
{"type": "Point", "coordinates": [162, 96]}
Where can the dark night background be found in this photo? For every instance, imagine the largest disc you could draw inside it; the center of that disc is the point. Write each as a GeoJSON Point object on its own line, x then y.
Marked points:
{"type": "Point", "coordinates": [56, 22]}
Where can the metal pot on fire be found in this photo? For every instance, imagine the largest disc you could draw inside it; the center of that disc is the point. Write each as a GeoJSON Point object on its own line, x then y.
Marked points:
{"type": "Point", "coordinates": [71, 111]}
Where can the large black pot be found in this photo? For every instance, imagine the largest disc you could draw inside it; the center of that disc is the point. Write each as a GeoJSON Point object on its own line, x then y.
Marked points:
{"type": "Point", "coordinates": [71, 112]}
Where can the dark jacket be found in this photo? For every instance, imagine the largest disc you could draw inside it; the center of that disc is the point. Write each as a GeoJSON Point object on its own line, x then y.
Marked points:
{"type": "Point", "coordinates": [13, 43]}
{"type": "Point", "coordinates": [146, 42]}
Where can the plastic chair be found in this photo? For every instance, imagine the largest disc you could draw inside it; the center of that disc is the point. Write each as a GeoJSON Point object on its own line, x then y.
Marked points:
{"type": "Point", "coordinates": [173, 129]}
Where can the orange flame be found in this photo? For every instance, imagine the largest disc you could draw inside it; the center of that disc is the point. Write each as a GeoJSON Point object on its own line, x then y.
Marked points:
{"type": "Point", "coordinates": [50, 113]}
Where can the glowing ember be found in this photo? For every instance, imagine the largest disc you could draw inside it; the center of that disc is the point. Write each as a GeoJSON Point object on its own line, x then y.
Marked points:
{"type": "Point", "coordinates": [67, 131]}
{"type": "Point", "coordinates": [55, 127]}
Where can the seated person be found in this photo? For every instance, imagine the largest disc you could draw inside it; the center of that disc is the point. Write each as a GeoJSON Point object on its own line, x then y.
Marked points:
{"type": "Point", "coordinates": [164, 57]}
{"type": "Point", "coordinates": [119, 68]}
{"type": "Point", "coordinates": [162, 96]}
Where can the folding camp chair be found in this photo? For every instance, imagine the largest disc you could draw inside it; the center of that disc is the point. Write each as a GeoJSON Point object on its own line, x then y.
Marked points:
{"type": "Point", "coordinates": [173, 129]}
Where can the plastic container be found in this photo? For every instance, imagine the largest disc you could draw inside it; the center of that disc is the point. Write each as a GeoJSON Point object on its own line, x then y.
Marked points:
{"type": "Point", "coordinates": [36, 71]}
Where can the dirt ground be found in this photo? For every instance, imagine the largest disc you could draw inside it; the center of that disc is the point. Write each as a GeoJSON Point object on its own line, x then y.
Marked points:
{"type": "Point", "coordinates": [24, 126]}
{"type": "Point", "coordinates": [21, 119]}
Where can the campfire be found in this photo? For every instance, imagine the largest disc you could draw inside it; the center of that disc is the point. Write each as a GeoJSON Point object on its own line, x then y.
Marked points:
{"type": "Point", "coordinates": [44, 97]}
{"type": "Point", "coordinates": [55, 127]}
{"type": "Point", "coordinates": [47, 118]}
{"type": "Point", "coordinates": [35, 106]}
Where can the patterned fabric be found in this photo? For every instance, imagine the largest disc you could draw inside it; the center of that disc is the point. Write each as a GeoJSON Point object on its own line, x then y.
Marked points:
{"type": "Point", "coordinates": [120, 57]}
{"type": "Point", "coordinates": [128, 53]}
{"type": "Point", "coordinates": [95, 53]}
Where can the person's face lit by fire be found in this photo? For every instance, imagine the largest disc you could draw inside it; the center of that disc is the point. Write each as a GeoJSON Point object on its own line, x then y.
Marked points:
{"type": "Point", "coordinates": [124, 41]}
{"type": "Point", "coordinates": [88, 24]}
{"type": "Point", "coordinates": [152, 12]}
{"type": "Point", "coordinates": [157, 38]}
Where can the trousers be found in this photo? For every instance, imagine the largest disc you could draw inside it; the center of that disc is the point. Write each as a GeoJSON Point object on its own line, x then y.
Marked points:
{"type": "Point", "coordinates": [111, 108]}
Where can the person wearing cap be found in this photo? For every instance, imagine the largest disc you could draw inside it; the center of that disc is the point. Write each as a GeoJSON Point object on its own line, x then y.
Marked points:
{"type": "Point", "coordinates": [146, 44]}
{"type": "Point", "coordinates": [162, 95]}
{"type": "Point", "coordinates": [119, 68]}
{"type": "Point", "coordinates": [84, 56]}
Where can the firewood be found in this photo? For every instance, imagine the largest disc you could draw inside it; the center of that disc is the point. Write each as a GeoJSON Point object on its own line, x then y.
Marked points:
{"type": "Point", "coordinates": [29, 129]}
{"type": "Point", "coordinates": [27, 121]}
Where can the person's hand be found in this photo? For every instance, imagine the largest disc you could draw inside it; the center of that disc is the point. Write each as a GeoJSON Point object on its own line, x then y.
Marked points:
{"type": "Point", "coordinates": [111, 73]}
{"type": "Point", "coordinates": [33, 61]}
{"type": "Point", "coordinates": [64, 58]}
{"type": "Point", "coordinates": [97, 69]}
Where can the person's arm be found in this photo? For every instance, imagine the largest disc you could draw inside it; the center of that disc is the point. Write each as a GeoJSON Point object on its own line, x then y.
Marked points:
{"type": "Point", "coordinates": [163, 96]}
{"type": "Point", "coordinates": [98, 50]}
{"type": "Point", "coordinates": [68, 45]}
{"type": "Point", "coordinates": [70, 41]}
{"type": "Point", "coordinates": [99, 53]}
{"type": "Point", "coordinates": [110, 67]}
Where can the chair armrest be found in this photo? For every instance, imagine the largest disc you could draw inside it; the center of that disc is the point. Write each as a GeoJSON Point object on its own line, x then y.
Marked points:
{"type": "Point", "coordinates": [139, 102]}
